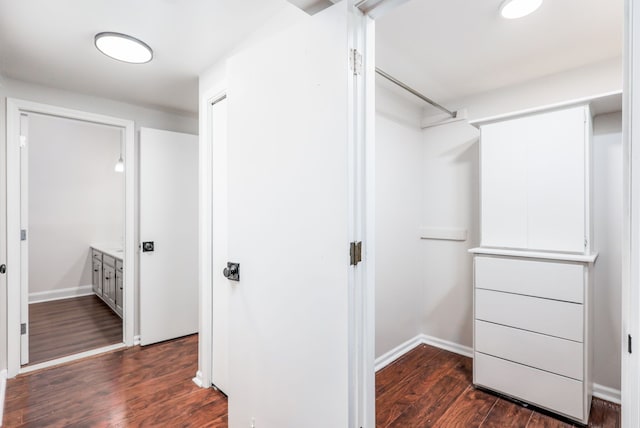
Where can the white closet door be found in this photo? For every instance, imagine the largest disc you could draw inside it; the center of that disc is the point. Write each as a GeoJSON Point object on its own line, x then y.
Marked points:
{"type": "Point", "coordinates": [556, 180]}
{"type": "Point", "coordinates": [503, 185]}
{"type": "Point", "coordinates": [288, 227]}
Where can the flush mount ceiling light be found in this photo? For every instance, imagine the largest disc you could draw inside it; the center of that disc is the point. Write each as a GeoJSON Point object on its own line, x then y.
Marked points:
{"type": "Point", "coordinates": [513, 9]}
{"type": "Point", "coordinates": [123, 47]}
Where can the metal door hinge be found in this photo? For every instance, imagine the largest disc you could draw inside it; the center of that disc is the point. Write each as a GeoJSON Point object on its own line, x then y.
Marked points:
{"type": "Point", "coordinates": [355, 62]}
{"type": "Point", "coordinates": [355, 253]}
{"type": "Point", "coordinates": [23, 328]}
{"type": "Point", "coordinates": [629, 349]}
{"type": "Point", "coordinates": [23, 234]}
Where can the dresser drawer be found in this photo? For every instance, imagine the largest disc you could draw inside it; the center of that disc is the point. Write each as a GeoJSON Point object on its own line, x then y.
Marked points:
{"type": "Point", "coordinates": [560, 356]}
{"type": "Point", "coordinates": [96, 255]}
{"type": "Point", "coordinates": [108, 260]}
{"type": "Point", "coordinates": [557, 393]}
{"type": "Point", "coordinates": [551, 317]}
{"type": "Point", "coordinates": [552, 280]}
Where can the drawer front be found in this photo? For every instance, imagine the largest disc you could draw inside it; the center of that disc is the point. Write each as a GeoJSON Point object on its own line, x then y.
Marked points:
{"type": "Point", "coordinates": [551, 280]}
{"type": "Point", "coordinates": [108, 260]}
{"type": "Point", "coordinates": [556, 393]}
{"type": "Point", "coordinates": [119, 265]}
{"type": "Point", "coordinates": [96, 255]}
{"type": "Point", "coordinates": [560, 356]}
{"type": "Point", "coordinates": [551, 317]}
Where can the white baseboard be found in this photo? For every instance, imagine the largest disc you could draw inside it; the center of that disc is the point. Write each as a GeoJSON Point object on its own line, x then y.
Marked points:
{"type": "Point", "coordinates": [456, 348]}
{"type": "Point", "coordinates": [389, 357]}
{"type": "Point", "coordinates": [198, 379]}
{"type": "Point", "coordinates": [136, 340]}
{"type": "Point", "coordinates": [63, 293]}
{"type": "Point", "coordinates": [607, 394]}
{"type": "Point", "coordinates": [421, 339]}
{"type": "Point", "coordinates": [3, 390]}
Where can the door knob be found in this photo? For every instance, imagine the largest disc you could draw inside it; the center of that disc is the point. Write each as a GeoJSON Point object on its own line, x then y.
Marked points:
{"type": "Point", "coordinates": [232, 271]}
{"type": "Point", "coordinates": [3, 268]}
{"type": "Point", "coordinates": [147, 246]}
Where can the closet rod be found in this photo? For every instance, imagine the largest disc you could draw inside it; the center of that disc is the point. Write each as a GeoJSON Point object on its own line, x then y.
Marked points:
{"type": "Point", "coordinates": [414, 92]}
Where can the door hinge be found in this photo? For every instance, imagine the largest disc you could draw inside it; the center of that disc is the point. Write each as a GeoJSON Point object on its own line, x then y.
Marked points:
{"type": "Point", "coordinates": [23, 234]}
{"type": "Point", "coordinates": [23, 328]}
{"type": "Point", "coordinates": [629, 348]}
{"type": "Point", "coordinates": [355, 252]}
{"type": "Point", "coordinates": [355, 62]}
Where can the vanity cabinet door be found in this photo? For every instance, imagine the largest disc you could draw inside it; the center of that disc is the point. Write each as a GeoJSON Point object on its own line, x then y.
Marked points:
{"type": "Point", "coordinates": [119, 288]}
{"type": "Point", "coordinates": [96, 277]}
{"type": "Point", "coordinates": [109, 285]}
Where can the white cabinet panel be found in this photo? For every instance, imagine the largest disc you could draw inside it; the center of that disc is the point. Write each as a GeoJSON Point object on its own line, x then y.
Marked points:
{"type": "Point", "coordinates": [560, 356]}
{"type": "Point", "coordinates": [548, 390]}
{"type": "Point", "coordinates": [552, 280]}
{"type": "Point", "coordinates": [552, 317]}
{"type": "Point", "coordinates": [504, 201]}
{"type": "Point", "coordinates": [556, 180]}
{"type": "Point", "coordinates": [534, 181]}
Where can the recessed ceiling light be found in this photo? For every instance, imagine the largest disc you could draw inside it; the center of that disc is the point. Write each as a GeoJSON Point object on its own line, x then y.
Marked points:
{"type": "Point", "coordinates": [512, 9]}
{"type": "Point", "coordinates": [123, 47]}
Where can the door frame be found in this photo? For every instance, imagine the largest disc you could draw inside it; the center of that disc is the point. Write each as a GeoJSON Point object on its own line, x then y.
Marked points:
{"type": "Point", "coordinates": [14, 109]}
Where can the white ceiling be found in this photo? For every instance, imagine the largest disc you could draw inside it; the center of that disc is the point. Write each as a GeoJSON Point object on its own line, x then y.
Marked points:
{"type": "Point", "coordinates": [447, 49]}
{"type": "Point", "coordinates": [51, 43]}
{"type": "Point", "coordinates": [451, 49]}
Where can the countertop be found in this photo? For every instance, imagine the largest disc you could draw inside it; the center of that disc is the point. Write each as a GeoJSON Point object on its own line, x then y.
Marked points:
{"type": "Point", "coordinates": [113, 250]}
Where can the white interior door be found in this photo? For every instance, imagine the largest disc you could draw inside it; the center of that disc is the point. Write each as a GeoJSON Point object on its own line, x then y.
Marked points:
{"type": "Point", "coordinates": [288, 196]}
{"type": "Point", "coordinates": [169, 220]}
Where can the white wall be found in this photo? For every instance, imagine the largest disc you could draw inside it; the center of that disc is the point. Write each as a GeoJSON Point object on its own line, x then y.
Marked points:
{"type": "Point", "coordinates": [141, 115]}
{"type": "Point", "coordinates": [450, 176]}
{"type": "Point", "coordinates": [75, 199]}
{"type": "Point", "coordinates": [399, 199]}
{"type": "Point", "coordinates": [607, 217]}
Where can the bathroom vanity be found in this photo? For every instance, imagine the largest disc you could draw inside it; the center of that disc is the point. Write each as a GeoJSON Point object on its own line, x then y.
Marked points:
{"type": "Point", "coordinates": [107, 275]}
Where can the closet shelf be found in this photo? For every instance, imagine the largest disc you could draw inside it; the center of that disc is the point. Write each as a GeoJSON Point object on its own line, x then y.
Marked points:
{"type": "Point", "coordinates": [567, 257]}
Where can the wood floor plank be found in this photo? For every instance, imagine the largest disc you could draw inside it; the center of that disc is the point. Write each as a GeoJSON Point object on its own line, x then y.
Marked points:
{"type": "Point", "coordinates": [604, 414]}
{"type": "Point", "coordinates": [69, 326]}
{"type": "Point", "coordinates": [539, 420]}
{"type": "Point", "coordinates": [148, 386]}
{"type": "Point", "coordinates": [506, 414]}
{"type": "Point", "coordinates": [469, 410]}
{"type": "Point", "coordinates": [404, 367]}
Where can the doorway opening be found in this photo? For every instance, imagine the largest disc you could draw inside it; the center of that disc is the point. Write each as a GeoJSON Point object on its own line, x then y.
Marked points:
{"type": "Point", "coordinates": [72, 253]}
{"type": "Point", "coordinates": [432, 191]}
{"type": "Point", "coordinates": [72, 214]}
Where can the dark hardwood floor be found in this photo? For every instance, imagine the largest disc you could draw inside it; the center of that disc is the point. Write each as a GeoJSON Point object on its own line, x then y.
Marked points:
{"type": "Point", "coordinates": [429, 387]}
{"type": "Point", "coordinates": [69, 326]}
{"type": "Point", "coordinates": [152, 386]}
{"type": "Point", "coordinates": [149, 386]}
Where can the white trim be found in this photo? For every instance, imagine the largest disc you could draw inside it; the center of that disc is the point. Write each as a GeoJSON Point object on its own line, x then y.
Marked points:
{"type": "Point", "coordinates": [630, 295]}
{"type": "Point", "coordinates": [60, 294]}
{"type": "Point", "coordinates": [594, 99]}
{"type": "Point", "coordinates": [456, 348]}
{"type": "Point", "coordinates": [566, 257]}
{"type": "Point", "coordinates": [608, 394]}
{"type": "Point", "coordinates": [3, 392]}
{"type": "Point", "coordinates": [14, 108]}
{"type": "Point", "coordinates": [70, 358]}
{"type": "Point", "coordinates": [198, 379]}
{"type": "Point", "coordinates": [389, 357]}
{"type": "Point", "coordinates": [421, 339]}
{"type": "Point", "coordinates": [136, 340]}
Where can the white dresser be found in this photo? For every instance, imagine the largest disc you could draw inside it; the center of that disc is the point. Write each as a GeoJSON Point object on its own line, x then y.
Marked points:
{"type": "Point", "coordinates": [532, 272]}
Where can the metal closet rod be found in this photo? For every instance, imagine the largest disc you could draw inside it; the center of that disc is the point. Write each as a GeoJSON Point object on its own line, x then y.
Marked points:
{"type": "Point", "coordinates": [414, 92]}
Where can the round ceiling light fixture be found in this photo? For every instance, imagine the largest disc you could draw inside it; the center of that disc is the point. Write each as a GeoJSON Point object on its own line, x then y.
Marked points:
{"type": "Point", "coordinates": [513, 9]}
{"type": "Point", "coordinates": [123, 47]}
